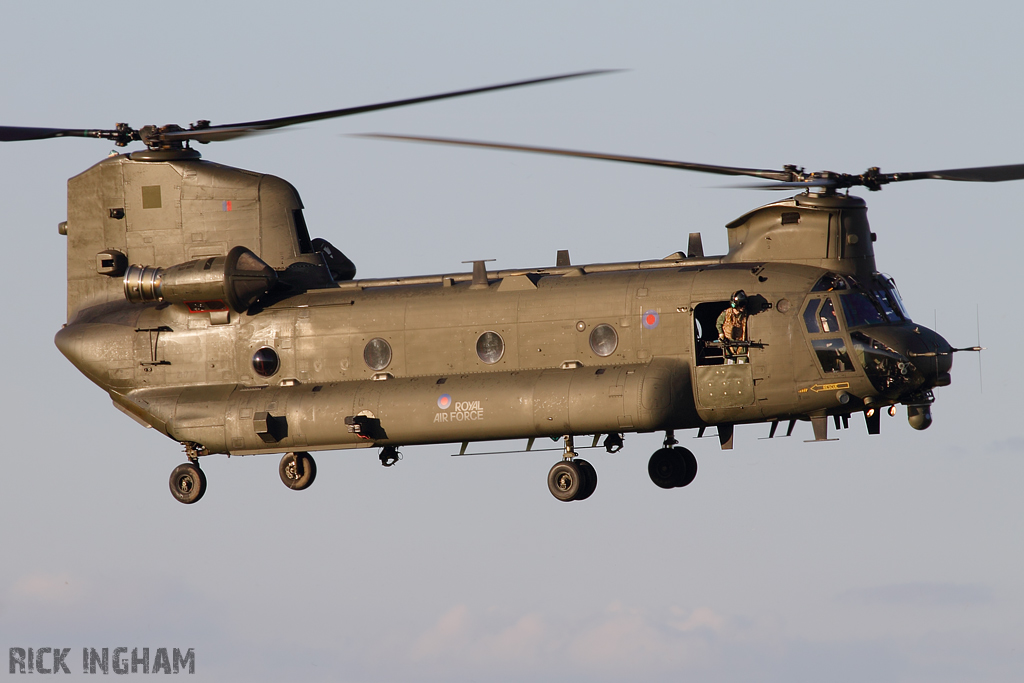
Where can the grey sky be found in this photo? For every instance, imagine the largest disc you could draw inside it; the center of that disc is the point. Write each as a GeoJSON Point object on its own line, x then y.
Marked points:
{"type": "Point", "coordinates": [896, 557]}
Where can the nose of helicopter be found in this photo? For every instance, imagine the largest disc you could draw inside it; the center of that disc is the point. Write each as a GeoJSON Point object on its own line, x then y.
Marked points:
{"type": "Point", "coordinates": [927, 360]}
{"type": "Point", "coordinates": [932, 355]}
{"type": "Point", "coordinates": [929, 353]}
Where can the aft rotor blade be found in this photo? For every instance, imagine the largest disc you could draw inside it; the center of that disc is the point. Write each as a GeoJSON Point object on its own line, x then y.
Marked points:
{"type": "Point", "coordinates": [980, 174]}
{"type": "Point", "coordinates": [684, 165]}
{"type": "Point", "coordinates": [235, 130]}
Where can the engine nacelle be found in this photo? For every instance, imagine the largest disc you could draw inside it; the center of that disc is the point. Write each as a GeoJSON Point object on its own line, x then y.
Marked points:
{"type": "Point", "coordinates": [215, 283]}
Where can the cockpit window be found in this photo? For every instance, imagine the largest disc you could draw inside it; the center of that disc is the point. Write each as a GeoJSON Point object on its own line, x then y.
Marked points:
{"type": "Point", "coordinates": [830, 282]}
{"type": "Point", "coordinates": [891, 311]}
{"type": "Point", "coordinates": [811, 316]}
{"type": "Point", "coordinates": [827, 316]}
{"type": "Point", "coordinates": [832, 355]}
{"type": "Point", "coordinates": [893, 292]}
{"type": "Point", "coordinates": [862, 308]}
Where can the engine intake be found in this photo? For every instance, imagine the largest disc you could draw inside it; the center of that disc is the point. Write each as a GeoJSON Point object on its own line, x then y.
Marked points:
{"type": "Point", "coordinates": [235, 280]}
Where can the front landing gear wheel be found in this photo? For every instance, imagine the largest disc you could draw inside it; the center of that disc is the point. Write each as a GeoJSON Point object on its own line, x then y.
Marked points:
{"type": "Point", "coordinates": [298, 470]}
{"type": "Point", "coordinates": [565, 480]}
{"type": "Point", "coordinates": [188, 483]}
{"type": "Point", "coordinates": [589, 484]}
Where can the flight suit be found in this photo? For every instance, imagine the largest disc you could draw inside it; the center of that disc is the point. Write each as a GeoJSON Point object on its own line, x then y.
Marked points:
{"type": "Point", "coordinates": [732, 324]}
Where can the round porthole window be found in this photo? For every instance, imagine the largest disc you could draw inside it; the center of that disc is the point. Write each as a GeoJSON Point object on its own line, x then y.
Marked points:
{"type": "Point", "coordinates": [377, 354]}
{"type": "Point", "coordinates": [603, 340]}
{"type": "Point", "coordinates": [265, 362]}
{"type": "Point", "coordinates": [490, 347]}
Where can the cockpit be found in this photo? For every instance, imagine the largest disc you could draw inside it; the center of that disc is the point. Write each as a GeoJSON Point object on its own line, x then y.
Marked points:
{"type": "Point", "coordinates": [871, 303]}
{"type": "Point", "coordinates": [875, 319]}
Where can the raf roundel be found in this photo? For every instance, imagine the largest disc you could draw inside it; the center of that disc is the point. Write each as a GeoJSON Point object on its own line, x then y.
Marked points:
{"type": "Point", "coordinates": [443, 401]}
{"type": "Point", "coordinates": [650, 319]}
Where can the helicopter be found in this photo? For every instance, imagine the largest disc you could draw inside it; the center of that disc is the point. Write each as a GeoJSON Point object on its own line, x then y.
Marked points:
{"type": "Point", "coordinates": [198, 301]}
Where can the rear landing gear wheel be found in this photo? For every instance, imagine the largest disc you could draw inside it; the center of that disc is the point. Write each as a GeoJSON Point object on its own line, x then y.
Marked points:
{"type": "Point", "coordinates": [298, 470]}
{"type": "Point", "coordinates": [672, 467]}
{"type": "Point", "coordinates": [565, 480]}
{"type": "Point", "coordinates": [589, 484]}
{"type": "Point", "coordinates": [188, 483]}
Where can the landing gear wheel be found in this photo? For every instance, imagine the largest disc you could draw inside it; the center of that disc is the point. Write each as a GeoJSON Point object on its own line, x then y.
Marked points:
{"type": "Point", "coordinates": [188, 483]}
{"type": "Point", "coordinates": [664, 468]}
{"type": "Point", "coordinates": [589, 484]}
{"type": "Point", "coordinates": [565, 480]}
{"type": "Point", "coordinates": [688, 472]}
{"type": "Point", "coordinates": [672, 467]}
{"type": "Point", "coordinates": [298, 470]}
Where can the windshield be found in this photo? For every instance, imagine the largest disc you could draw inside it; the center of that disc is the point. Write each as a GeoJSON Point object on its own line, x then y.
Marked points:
{"type": "Point", "coordinates": [873, 307]}
{"type": "Point", "coordinates": [892, 291]}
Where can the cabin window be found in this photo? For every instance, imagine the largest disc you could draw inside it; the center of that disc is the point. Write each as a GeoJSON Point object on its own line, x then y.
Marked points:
{"type": "Point", "coordinates": [377, 354]}
{"type": "Point", "coordinates": [832, 355]}
{"type": "Point", "coordinates": [604, 340]}
{"type": "Point", "coordinates": [490, 347]}
{"type": "Point", "coordinates": [265, 362]}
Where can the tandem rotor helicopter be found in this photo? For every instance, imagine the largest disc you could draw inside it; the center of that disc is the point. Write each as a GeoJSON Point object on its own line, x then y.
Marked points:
{"type": "Point", "coordinates": [198, 301]}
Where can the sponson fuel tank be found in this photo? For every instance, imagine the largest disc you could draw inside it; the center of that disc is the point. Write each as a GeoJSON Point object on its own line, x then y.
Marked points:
{"type": "Point", "coordinates": [238, 419]}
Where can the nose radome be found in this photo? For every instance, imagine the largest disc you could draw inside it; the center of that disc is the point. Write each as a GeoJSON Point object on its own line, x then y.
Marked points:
{"type": "Point", "coordinates": [935, 358]}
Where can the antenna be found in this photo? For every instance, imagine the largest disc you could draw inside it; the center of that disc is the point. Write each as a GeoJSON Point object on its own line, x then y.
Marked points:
{"type": "Point", "coordinates": [977, 323]}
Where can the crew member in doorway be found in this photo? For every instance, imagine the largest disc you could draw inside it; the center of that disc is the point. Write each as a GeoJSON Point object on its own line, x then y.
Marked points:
{"type": "Point", "coordinates": [732, 326]}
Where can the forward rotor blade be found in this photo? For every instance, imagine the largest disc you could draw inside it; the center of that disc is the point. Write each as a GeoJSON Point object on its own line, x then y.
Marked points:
{"type": "Point", "coordinates": [235, 130]}
{"type": "Point", "coordinates": [980, 174]}
{"type": "Point", "coordinates": [18, 133]}
{"type": "Point", "coordinates": [786, 185]}
{"type": "Point", "coordinates": [684, 165]}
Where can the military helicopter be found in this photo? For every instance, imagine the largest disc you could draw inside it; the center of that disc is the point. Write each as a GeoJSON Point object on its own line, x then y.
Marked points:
{"type": "Point", "coordinates": [199, 303]}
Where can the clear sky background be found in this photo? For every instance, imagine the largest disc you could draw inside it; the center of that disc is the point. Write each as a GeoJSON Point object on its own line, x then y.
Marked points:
{"type": "Point", "coordinates": [896, 557]}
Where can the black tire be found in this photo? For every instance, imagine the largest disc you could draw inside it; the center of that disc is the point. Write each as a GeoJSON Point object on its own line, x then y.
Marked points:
{"type": "Point", "coordinates": [688, 468]}
{"type": "Point", "coordinates": [665, 468]}
{"type": "Point", "coordinates": [589, 484]}
{"type": "Point", "coordinates": [565, 480]}
{"type": "Point", "coordinates": [188, 483]}
{"type": "Point", "coordinates": [297, 470]}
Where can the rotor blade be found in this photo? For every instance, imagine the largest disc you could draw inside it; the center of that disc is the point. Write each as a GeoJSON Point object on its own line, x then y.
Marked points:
{"type": "Point", "coordinates": [18, 133]}
{"type": "Point", "coordinates": [235, 130]}
{"type": "Point", "coordinates": [786, 185]}
{"type": "Point", "coordinates": [980, 174]}
{"type": "Point", "coordinates": [684, 165]}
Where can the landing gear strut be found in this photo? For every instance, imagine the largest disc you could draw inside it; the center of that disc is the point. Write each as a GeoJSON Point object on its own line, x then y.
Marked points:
{"type": "Point", "coordinates": [672, 466]}
{"type": "Point", "coordinates": [389, 456]}
{"type": "Point", "coordinates": [572, 479]}
{"type": "Point", "coordinates": [297, 470]}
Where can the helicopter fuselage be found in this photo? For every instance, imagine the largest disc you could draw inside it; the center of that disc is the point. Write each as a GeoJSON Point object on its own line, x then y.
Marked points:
{"type": "Point", "coordinates": [543, 353]}
{"type": "Point", "coordinates": [198, 301]}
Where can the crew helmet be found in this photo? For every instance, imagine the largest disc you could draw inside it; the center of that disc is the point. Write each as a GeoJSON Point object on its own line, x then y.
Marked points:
{"type": "Point", "coordinates": [739, 299]}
